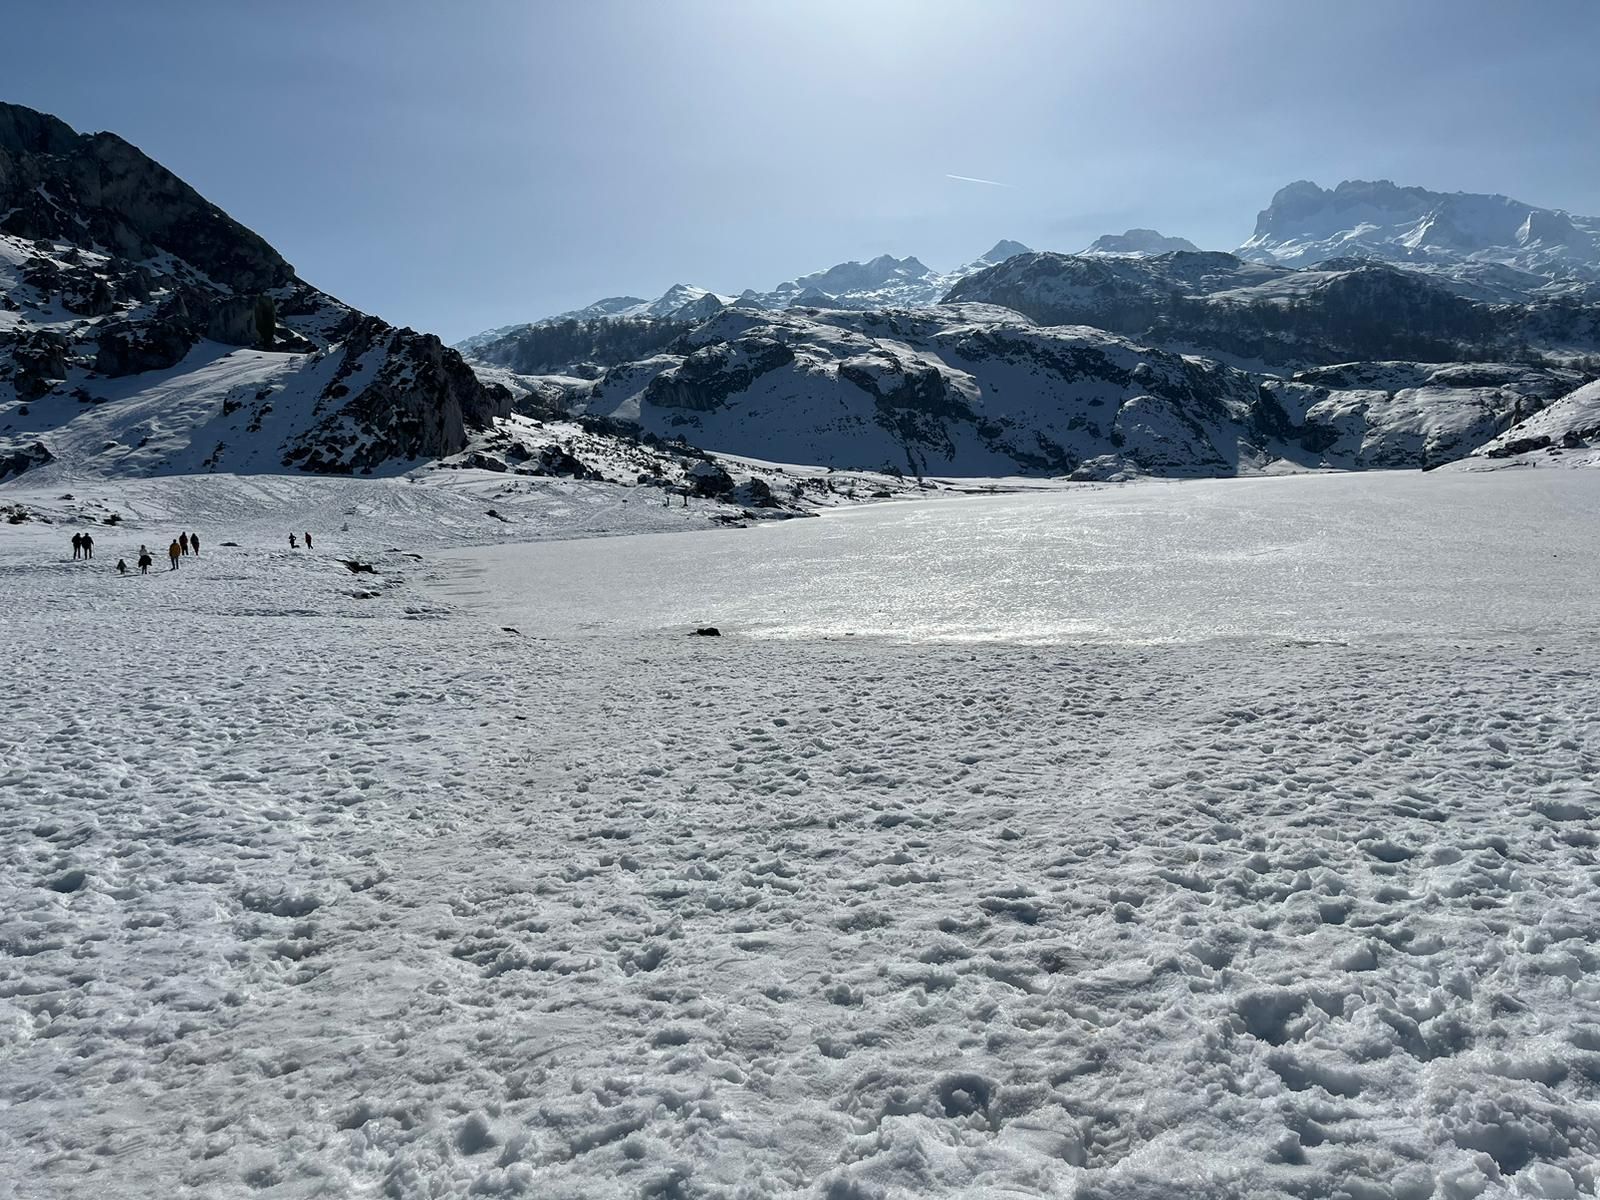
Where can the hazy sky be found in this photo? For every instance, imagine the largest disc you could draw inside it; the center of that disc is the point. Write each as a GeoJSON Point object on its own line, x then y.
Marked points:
{"type": "Point", "coordinates": [455, 166]}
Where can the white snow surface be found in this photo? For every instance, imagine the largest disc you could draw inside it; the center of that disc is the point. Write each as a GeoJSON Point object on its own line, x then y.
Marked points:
{"type": "Point", "coordinates": [1226, 838]}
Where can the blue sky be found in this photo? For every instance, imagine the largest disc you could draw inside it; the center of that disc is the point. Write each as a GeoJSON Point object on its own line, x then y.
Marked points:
{"type": "Point", "coordinates": [455, 166]}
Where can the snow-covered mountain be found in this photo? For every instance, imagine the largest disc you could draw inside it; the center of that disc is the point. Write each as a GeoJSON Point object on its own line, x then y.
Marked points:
{"type": "Point", "coordinates": [1137, 242]}
{"type": "Point", "coordinates": [1488, 246]}
{"type": "Point", "coordinates": [1270, 317]}
{"type": "Point", "coordinates": [969, 389]}
{"type": "Point", "coordinates": [882, 282]}
{"type": "Point", "coordinates": [143, 331]}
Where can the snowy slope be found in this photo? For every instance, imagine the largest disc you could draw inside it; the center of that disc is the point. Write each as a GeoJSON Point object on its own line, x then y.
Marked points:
{"type": "Point", "coordinates": [1572, 423]}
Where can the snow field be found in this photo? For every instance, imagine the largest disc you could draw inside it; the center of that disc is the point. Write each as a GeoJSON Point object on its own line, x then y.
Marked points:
{"type": "Point", "coordinates": [310, 884]}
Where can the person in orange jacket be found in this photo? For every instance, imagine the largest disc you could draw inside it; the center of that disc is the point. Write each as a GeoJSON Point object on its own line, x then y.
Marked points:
{"type": "Point", "coordinates": [173, 551]}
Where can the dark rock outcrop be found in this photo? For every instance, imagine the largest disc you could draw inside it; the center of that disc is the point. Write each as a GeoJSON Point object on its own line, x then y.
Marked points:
{"type": "Point", "coordinates": [14, 460]}
{"type": "Point", "coordinates": [396, 395]}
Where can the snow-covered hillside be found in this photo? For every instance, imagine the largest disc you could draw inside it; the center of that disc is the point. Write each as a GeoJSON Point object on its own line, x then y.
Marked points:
{"type": "Point", "coordinates": [960, 390]}
{"type": "Point", "coordinates": [1492, 244]}
{"type": "Point", "coordinates": [1570, 424]}
{"type": "Point", "coordinates": [979, 390]}
{"type": "Point", "coordinates": [1268, 317]}
{"type": "Point", "coordinates": [142, 330]}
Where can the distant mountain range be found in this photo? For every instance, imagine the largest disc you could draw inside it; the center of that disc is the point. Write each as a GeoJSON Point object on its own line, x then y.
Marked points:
{"type": "Point", "coordinates": [1483, 247]}
{"type": "Point", "coordinates": [143, 331]}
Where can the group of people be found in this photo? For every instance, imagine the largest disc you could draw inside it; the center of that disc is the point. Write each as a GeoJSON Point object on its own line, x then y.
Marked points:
{"type": "Point", "coordinates": [182, 546]}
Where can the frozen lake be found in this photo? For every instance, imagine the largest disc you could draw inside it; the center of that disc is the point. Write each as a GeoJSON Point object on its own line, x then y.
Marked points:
{"type": "Point", "coordinates": [1312, 558]}
{"type": "Point", "coordinates": [331, 892]}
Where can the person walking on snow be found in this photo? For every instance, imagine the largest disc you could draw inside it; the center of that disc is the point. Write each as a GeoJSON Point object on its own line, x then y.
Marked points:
{"type": "Point", "coordinates": [122, 566]}
{"type": "Point", "coordinates": [173, 551]}
{"type": "Point", "coordinates": [183, 543]}
{"type": "Point", "coordinates": [308, 541]}
{"type": "Point", "coordinates": [293, 545]}
{"type": "Point", "coordinates": [194, 544]}
{"type": "Point", "coordinates": [88, 546]}
{"type": "Point", "coordinates": [77, 546]}
{"type": "Point", "coordinates": [144, 561]}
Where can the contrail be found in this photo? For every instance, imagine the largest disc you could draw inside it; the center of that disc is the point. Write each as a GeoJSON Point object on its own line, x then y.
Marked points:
{"type": "Point", "coordinates": [970, 179]}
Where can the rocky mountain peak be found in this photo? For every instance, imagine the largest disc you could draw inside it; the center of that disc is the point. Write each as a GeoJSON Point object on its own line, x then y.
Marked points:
{"type": "Point", "coordinates": [1138, 242]}
{"type": "Point", "coordinates": [112, 268]}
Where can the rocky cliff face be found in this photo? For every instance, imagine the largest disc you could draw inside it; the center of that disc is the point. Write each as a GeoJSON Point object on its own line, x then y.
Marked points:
{"type": "Point", "coordinates": [120, 284]}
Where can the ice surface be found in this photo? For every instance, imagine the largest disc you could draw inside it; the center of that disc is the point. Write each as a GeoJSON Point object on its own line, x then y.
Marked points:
{"type": "Point", "coordinates": [1326, 558]}
{"type": "Point", "coordinates": [313, 885]}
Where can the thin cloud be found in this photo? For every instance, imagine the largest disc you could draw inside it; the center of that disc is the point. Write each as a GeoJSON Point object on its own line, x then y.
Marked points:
{"type": "Point", "coordinates": [971, 179]}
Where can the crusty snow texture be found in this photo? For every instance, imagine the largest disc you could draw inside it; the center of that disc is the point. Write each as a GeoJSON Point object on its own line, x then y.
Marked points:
{"type": "Point", "coordinates": [313, 885]}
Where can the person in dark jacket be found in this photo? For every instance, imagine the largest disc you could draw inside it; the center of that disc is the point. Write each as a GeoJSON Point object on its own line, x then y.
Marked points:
{"type": "Point", "coordinates": [194, 544]}
{"type": "Point", "coordinates": [88, 546]}
{"type": "Point", "coordinates": [308, 541]}
{"type": "Point", "coordinates": [144, 561]}
{"type": "Point", "coordinates": [77, 545]}
{"type": "Point", "coordinates": [122, 566]}
{"type": "Point", "coordinates": [293, 545]}
{"type": "Point", "coordinates": [183, 543]}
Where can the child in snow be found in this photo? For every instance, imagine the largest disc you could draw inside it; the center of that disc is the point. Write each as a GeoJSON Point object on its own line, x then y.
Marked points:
{"type": "Point", "coordinates": [122, 566]}
{"type": "Point", "coordinates": [173, 551]}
